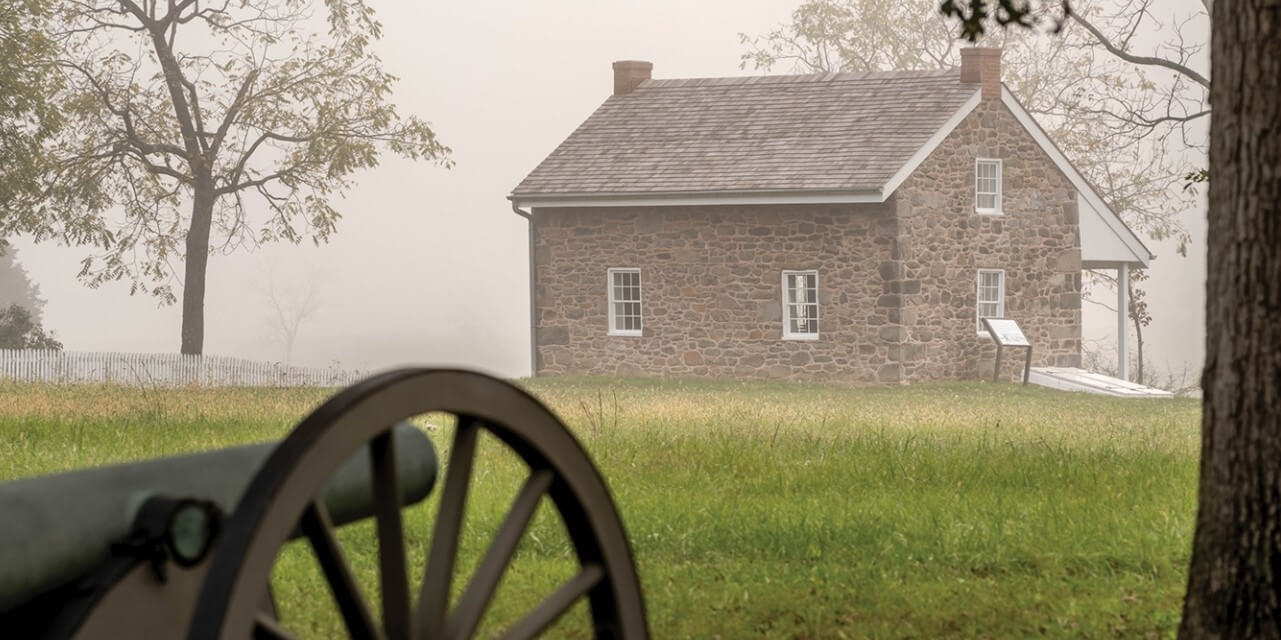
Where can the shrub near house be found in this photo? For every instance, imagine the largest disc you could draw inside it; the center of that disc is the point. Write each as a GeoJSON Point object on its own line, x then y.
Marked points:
{"type": "Point", "coordinates": [847, 226]}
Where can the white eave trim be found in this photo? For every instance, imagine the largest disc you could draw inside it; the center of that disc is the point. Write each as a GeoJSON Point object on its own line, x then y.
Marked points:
{"type": "Point", "coordinates": [691, 198]}
{"type": "Point", "coordinates": [1141, 253]}
{"type": "Point", "coordinates": [932, 144]}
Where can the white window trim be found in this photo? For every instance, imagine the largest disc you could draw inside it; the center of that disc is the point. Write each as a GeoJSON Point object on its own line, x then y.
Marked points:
{"type": "Point", "coordinates": [787, 320]}
{"type": "Point", "coordinates": [1000, 189]}
{"type": "Point", "coordinates": [609, 288]}
{"type": "Point", "coordinates": [1000, 302]}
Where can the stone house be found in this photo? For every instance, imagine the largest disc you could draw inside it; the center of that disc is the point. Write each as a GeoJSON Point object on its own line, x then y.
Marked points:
{"type": "Point", "coordinates": [842, 226]}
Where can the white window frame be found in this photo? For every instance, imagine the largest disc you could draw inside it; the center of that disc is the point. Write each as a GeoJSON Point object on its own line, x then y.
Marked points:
{"type": "Point", "coordinates": [979, 301]}
{"type": "Point", "coordinates": [788, 304]}
{"type": "Point", "coordinates": [609, 288]}
{"type": "Point", "coordinates": [1000, 172]}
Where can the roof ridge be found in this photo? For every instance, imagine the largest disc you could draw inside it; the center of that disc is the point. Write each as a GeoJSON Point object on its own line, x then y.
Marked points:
{"type": "Point", "coordinates": [838, 76]}
{"type": "Point", "coordinates": [838, 131]}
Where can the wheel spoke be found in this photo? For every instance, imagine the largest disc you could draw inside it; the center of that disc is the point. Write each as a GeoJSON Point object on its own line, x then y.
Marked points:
{"type": "Point", "coordinates": [268, 628]}
{"type": "Point", "coordinates": [391, 538]}
{"type": "Point", "coordinates": [319, 530]}
{"type": "Point", "coordinates": [556, 604]}
{"type": "Point", "coordinates": [480, 591]}
{"type": "Point", "coordinates": [433, 599]}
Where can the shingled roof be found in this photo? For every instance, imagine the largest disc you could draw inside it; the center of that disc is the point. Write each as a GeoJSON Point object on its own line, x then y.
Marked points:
{"type": "Point", "coordinates": [821, 132]}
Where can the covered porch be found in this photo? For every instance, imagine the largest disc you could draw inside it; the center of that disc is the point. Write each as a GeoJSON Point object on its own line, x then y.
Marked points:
{"type": "Point", "coordinates": [1108, 245]}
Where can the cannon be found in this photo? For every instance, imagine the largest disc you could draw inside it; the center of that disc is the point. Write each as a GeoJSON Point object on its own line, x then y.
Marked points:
{"type": "Point", "coordinates": [183, 547]}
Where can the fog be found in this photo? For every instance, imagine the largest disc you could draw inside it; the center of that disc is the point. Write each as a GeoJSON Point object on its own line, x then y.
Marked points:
{"type": "Point", "coordinates": [429, 265]}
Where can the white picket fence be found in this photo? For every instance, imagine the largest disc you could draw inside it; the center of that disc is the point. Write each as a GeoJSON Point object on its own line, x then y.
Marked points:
{"type": "Point", "coordinates": [162, 370]}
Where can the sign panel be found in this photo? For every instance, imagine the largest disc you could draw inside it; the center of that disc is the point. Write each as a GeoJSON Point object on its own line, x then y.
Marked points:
{"type": "Point", "coordinates": [1006, 332]}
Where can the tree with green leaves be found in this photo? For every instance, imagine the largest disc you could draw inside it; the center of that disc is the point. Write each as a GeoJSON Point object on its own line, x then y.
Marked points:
{"type": "Point", "coordinates": [18, 330]}
{"type": "Point", "coordinates": [1234, 581]}
{"type": "Point", "coordinates": [194, 126]}
{"type": "Point", "coordinates": [21, 307]}
{"type": "Point", "coordinates": [27, 116]}
{"type": "Point", "coordinates": [16, 286]}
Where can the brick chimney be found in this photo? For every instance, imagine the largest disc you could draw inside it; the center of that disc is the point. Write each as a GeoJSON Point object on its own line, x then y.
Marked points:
{"type": "Point", "coordinates": [982, 65]}
{"type": "Point", "coordinates": [628, 74]}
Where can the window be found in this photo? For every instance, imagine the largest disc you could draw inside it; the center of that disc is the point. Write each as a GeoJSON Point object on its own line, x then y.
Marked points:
{"type": "Point", "coordinates": [991, 296]}
{"type": "Point", "coordinates": [800, 305]}
{"type": "Point", "coordinates": [987, 186]}
{"type": "Point", "coordinates": [624, 302]}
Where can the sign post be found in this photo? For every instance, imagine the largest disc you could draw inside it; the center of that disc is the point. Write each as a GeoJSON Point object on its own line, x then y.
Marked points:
{"type": "Point", "coordinates": [1006, 333]}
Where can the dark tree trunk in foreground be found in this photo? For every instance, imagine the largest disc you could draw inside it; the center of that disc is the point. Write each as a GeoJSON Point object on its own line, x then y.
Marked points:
{"type": "Point", "coordinates": [1234, 585]}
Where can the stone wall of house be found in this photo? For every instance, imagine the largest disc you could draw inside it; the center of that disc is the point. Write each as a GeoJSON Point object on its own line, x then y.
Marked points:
{"type": "Point", "coordinates": [943, 243]}
{"type": "Point", "coordinates": [711, 281]}
{"type": "Point", "coordinates": [897, 281]}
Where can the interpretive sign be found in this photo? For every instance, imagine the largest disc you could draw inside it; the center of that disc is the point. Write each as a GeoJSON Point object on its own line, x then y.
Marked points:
{"type": "Point", "coordinates": [1006, 333]}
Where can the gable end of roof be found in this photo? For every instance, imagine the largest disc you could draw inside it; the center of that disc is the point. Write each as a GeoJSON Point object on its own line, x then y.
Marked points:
{"type": "Point", "coordinates": [1083, 186]}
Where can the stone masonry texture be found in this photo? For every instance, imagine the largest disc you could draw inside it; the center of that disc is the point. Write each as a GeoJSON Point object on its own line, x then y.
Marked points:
{"type": "Point", "coordinates": [896, 285]}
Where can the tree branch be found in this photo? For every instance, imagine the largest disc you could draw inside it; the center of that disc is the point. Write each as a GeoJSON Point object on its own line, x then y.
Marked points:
{"type": "Point", "coordinates": [143, 17]}
{"type": "Point", "coordinates": [176, 82]}
{"type": "Point", "coordinates": [257, 182]}
{"type": "Point", "coordinates": [232, 111]}
{"type": "Point", "coordinates": [126, 117]}
{"type": "Point", "coordinates": [1139, 60]}
{"type": "Point", "coordinates": [240, 166]}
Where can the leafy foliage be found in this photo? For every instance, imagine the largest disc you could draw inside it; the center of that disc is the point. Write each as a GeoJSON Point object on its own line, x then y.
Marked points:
{"type": "Point", "coordinates": [974, 13]}
{"type": "Point", "coordinates": [20, 308]}
{"type": "Point", "coordinates": [1138, 306]}
{"type": "Point", "coordinates": [203, 126]}
{"type": "Point", "coordinates": [19, 331]}
{"type": "Point", "coordinates": [1194, 178]}
{"type": "Point", "coordinates": [16, 286]}
{"type": "Point", "coordinates": [27, 116]}
{"type": "Point", "coordinates": [859, 35]}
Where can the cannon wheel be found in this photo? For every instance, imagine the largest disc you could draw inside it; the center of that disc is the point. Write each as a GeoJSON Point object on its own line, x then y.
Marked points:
{"type": "Point", "coordinates": [281, 498]}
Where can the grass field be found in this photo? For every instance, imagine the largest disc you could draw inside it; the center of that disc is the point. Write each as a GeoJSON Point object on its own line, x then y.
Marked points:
{"type": "Point", "coordinates": [769, 510]}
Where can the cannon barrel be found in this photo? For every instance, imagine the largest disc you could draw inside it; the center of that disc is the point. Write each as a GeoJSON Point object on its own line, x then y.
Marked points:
{"type": "Point", "coordinates": [56, 528]}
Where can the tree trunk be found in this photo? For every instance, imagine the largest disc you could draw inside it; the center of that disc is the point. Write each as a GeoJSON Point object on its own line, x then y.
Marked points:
{"type": "Point", "coordinates": [1138, 339]}
{"type": "Point", "coordinates": [197, 261]}
{"type": "Point", "coordinates": [1234, 583]}
{"type": "Point", "coordinates": [1138, 345]}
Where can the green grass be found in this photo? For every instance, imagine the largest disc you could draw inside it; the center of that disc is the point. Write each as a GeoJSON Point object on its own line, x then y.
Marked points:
{"type": "Point", "coordinates": [769, 509]}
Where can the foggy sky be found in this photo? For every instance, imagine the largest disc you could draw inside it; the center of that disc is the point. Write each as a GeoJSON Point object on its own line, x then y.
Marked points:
{"type": "Point", "coordinates": [429, 265]}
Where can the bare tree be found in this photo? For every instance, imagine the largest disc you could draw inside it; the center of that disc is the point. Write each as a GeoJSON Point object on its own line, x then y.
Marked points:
{"type": "Point", "coordinates": [200, 126]}
{"type": "Point", "coordinates": [288, 308]}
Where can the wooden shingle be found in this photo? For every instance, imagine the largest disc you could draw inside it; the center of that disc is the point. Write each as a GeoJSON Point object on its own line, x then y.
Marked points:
{"type": "Point", "coordinates": [826, 132]}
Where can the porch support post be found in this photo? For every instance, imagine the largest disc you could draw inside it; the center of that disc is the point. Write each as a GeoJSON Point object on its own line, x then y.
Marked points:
{"type": "Point", "coordinates": [1122, 315]}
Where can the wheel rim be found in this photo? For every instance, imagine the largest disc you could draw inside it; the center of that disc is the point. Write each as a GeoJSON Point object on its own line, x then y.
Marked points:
{"type": "Point", "coordinates": [282, 496]}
